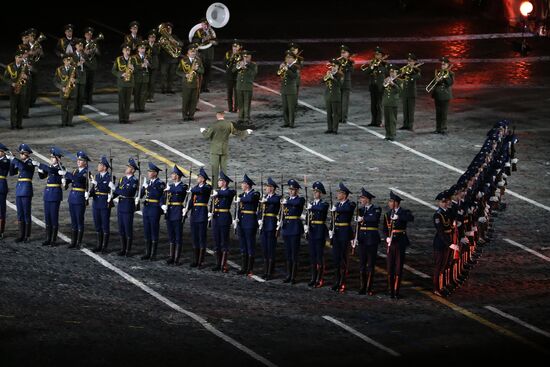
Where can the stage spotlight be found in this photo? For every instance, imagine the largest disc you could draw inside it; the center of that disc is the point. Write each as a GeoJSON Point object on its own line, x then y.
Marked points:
{"type": "Point", "coordinates": [526, 8]}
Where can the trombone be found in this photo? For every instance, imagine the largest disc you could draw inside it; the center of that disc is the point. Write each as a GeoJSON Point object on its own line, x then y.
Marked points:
{"type": "Point", "coordinates": [374, 63]}
{"type": "Point", "coordinates": [439, 75]}
{"type": "Point", "coordinates": [408, 69]}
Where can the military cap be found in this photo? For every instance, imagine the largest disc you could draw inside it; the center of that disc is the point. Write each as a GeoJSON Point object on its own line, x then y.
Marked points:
{"type": "Point", "coordinates": [24, 148]}
{"type": "Point", "coordinates": [133, 24]}
{"type": "Point", "coordinates": [56, 152]}
{"type": "Point", "coordinates": [444, 195]}
{"type": "Point", "coordinates": [293, 45]}
{"type": "Point", "coordinates": [153, 168]}
{"type": "Point", "coordinates": [142, 44]}
{"type": "Point", "coordinates": [236, 42]}
{"type": "Point", "coordinates": [23, 47]}
{"type": "Point", "coordinates": [3, 147]}
{"type": "Point", "coordinates": [203, 173]}
{"type": "Point", "coordinates": [271, 182]}
{"type": "Point", "coordinates": [192, 46]}
{"type": "Point", "coordinates": [411, 56]}
{"type": "Point", "coordinates": [344, 48]}
{"type": "Point", "coordinates": [78, 41]}
{"type": "Point", "coordinates": [393, 67]}
{"type": "Point", "coordinates": [132, 163]}
{"type": "Point", "coordinates": [378, 49]}
{"type": "Point", "coordinates": [293, 184]}
{"type": "Point", "coordinates": [290, 53]}
{"type": "Point", "coordinates": [89, 29]}
{"type": "Point", "coordinates": [334, 61]}
{"type": "Point", "coordinates": [203, 20]}
{"type": "Point", "coordinates": [444, 59]}
{"type": "Point", "coordinates": [318, 185]}
{"type": "Point", "coordinates": [247, 180]}
{"type": "Point", "coordinates": [67, 57]}
{"type": "Point", "coordinates": [246, 52]}
{"type": "Point", "coordinates": [32, 31]}
{"type": "Point", "coordinates": [68, 26]}
{"type": "Point", "coordinates": [343, 188]}
{"type": "Point", "coordinates": [152, 32]}
{"type": "Point", "coordinates": [224, 177]}
{"type": "Point", "coordinates": [24, 33]}
{"type": "Point", "coordinates": [104, 161]}
{"type": "Point", "coordinates": [125, 45]}
{"type": "Point", "coordinates": [453, 189]}
{"type": "Point", "coordinates": [19, 53]}
{"type": "Point", "coordinates": [169, 24]}
{"type": "Point", "coordinates": [177, 171]}
{"type": "Point", "coordinates": [82, 156]}
{"type": "Point", "coordinates": [395, 197]}
{"type": "Point", "coordinates": [365, 193]}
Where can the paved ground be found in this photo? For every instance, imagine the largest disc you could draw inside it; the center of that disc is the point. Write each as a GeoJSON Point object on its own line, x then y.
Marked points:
{"type": "Point", "coordinates": [62, 306]}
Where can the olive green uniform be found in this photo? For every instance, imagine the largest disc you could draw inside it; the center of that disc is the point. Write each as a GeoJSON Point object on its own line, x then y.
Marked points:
{"type": "Point", "coordinates": [289, 94]}
{"type": "Point", "coordinates": [35, 72]}
{"type": "Point", "coordinates": [132, 41]}
{"type": "Point", "coordinates": [27, 95]}
{"type": "Point", "coordinates": [207, 57]}
{"type": "Point", "coordinates": [442, 95]}
{"type": "Point", "coordinates": [300, 64]}
{"type": "Point", "coordinates": [153, 52]}
{"type": "Point", "coordinates": [141, 81]}
{"type": "Point", "coordinates": [81, 82]}
{"type": "Point", "coordinates": [168, 67]}
{"type": "Point", "coordinates": [17, 101]}
{"type": "Point", "coordinates": [333, 101]}
{"type": "Point", "coordinates": [63, 45]}
{"type": "Point", "coordinates": [68, 103]}
{"type": "Point", "coordinates": [390, 102]}
{"type": "Point", "coordinates": [231, 80]}
{"type": "Point", "coordinates": [91, 66]}
{"type": "Point", "coordinates": [376, 75]}
{"type": "Point", "coordinates": [190, 88]}
{"type": "Point", "coordinates": [125, 88]}
{"type": "Point", "coordinates": [245, 86]}
{"type": "Point", "coordinates": [347, 69]}
{"type": "Point", "coordinates": [409, 98]}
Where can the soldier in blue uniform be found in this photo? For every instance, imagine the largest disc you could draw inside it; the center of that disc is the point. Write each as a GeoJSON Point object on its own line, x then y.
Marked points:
{"type": "Point", "coordinates": [221, 219]}
{"type": "Point", "coordinates": [24, 168]}
{"type": "Point", "coordinates": [53, 195]}
{"type": "Point", "coordinates": [153, 191]}
{"type": "Point", "coordinates": [78, 197]}
{"type": "Point", "coordinates": [368, 240]}
{"type": "Point", "coordinates": [174, 198]}
{"type": "Point", "coordinates": [247, 223]}
{"type": "Point", "coordinates": [125, 195]}
{"type": "Point", "coordinates": [4, 171]}
{"type": "Point", "coordinates": [101, 205]}
{"type": "Point", "coordinates": [293, 207]}
{"type": "Point", "coordinates": [395, 231]}
{"type": "Point", "coordinates": [198, 206]}
{"type": "Point", "coordinates": [316, 231]}
{"type": "Point", "coordinates": [442, 241]}
{"type": "Point", "coordinates": [341, 235]}
{"type": "Point", "coordinates": [267, 224]}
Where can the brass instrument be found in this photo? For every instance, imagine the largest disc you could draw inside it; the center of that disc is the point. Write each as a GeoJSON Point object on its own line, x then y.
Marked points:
{"type": "Point", "coordinates": [235, 58]}
{"type": "Point", "coordinates": [20, 81]}
{"type": "Point", "coordinates": [91, 47]}
{"type": "Point", "coordinates": [71, 83]}
{"type": "Point", "coordinates": [328, 76]}
{"type": "Point", "coordinates": [439, 75]}
{"type": "Point", "coordinates": [129, 70]}
{"type": "Point", "coordinates": [241, 65]}
{"type": "Point", "coordinates": [40, 38]}
{"type": "Point", "coordinates": [374, 63]}
{"type": "Point", "coordinates": [217, 16]}
{"type": "Point", "coordinates": [167, 42]}
{"type": "Point", "coordinates": [408, 69]}
{"type": "Point", "coordinates": [190, 70]}
{"type": "Point", "coordinates": [284, 68]}
{"type": "Point", "coordinates": [389, 80]}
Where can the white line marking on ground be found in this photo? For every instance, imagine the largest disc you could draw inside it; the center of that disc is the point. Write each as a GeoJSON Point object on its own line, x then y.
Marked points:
{"type": "Point", "coordinates": [514, 243]}
{"type": "Point", "coordinates": [414, 198]}
{"type": "Point", "coordinates": [518, 321]}
{"type": "Point", "coordinates": [361, 336]}
{"type": "Point", "coordinates": [235, 266]}
{"type": "Point", "coordinates": [306, 148]}
{"type": "Point", "coordinates": [175, 151]}
{"type": "Point", "coordinates": [96, 110]}
{"type": "Point", "coordinates": [207, 103]}
{"type": "Point", "coordinates": [205, 324]}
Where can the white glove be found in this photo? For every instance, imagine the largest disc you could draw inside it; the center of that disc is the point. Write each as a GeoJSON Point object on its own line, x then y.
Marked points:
{"type": "Point", "coordinates": [214, 193]}
{"type": "Point", "coordinates": [109, 198]}
{"type": "Point", "coordinates": [184, 212]}
{"type": "Point", "coordinates": [40, 170]}
{"type": "Point", "coordinates": [354, 243]}
{"type": "Point", "coordinates": [500, 183]}
{"type": "Point", "coordinates": [388, 240]}
{"type": "Point", "coordinates": [330, 234]}
{"type": "Point", "coordinates": [237, 199]}
{"type": "Point", "coordinates": [115, 200]}
{"type": "Point", "coordinates": [210, 215]}
{"type": "Point", "coordinates": [359, 219]}
{"type": "Point", "coordinates": [63, 181]}
{"type": "Point", "coordinates": [93, 182]}
{"type": "Point", "coordinates": [263, 200]}
{"type": "Point", "coordinates": [464, 241]}
{"type": "Point", "coordinates": [458, 223]}
{"type": "Point", "coordinates": [35, 163]}
{"type": "Point", "coordinates": [164, 208]}
{"type": "Point", "coordinates": [504, 175]}
{"type": "Point", "coordinates": [112, 186]}
{"type": "Point", "coordinates": [482, 220]}
{"type": "Point", "coordinates": [61, 172]}
{"type": "Point", "coordinates": [260, 222]}
{"type": "Point", "coordinates": [136, 201]}
{"type": "Point", "coordinates": [333, 209]}
{"type": "Point", "coordinates": [309, 206]}
{"type": "Point", "coordinates": [515, 160]}
{"type": "Point", "coordinates": [493, 199]}
{"type": "Point", "coordinates": [202, 129]}
{"type": "Point", "coordinates": [284, 202]}
{"type": "Point", "coordinates": [188, 191]}
{"type": "Point", "coordinates": [454, 247]}
{"type": "Point", "coordinates": [303, 217]}
{"type": "Point", "coordinates": [479, 195]}
{"type": "Point", "coordinates": [235, 221]}
{"type": "Point", "coordinates": [9, 156]}
{"type": "Point", "coordinates": [249, 131]}
{"type": "Point", "coordinates": [86, 195]}
{"type": "Point", "coordinates": [278, 224]}
{"type": "Point", "coordinates": [306, 228]}
{"type": "Point", "coordinates": [507, 164]}
{"type": "Point", "coordinates": [395, 217]}
{"type": "Point", "coordinates": [461, 212]}
{"type": "Point", "coordinates": [144, 185]}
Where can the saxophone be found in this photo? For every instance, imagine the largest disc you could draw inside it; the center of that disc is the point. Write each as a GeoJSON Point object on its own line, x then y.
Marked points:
{"type": "Point", "coordinates": [70, 84]}
{"type": "Point", "coordinates": [189, 70]}
{"type": "Point", "coordinates": [128, 71]}
{"type": "Point", "coordinates": [20, 81]}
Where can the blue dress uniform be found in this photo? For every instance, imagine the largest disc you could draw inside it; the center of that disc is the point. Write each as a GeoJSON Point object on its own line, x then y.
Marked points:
{"type": "Point", "coordinates": [174, 199]}
{"type": "Point", "coordinates": [101, 206]}
{"type": "Point", "coordinates": [292, 231]}
{"type": "Point", "coordinates": [77, 200]}
{"type": "Point", "coordinates": [396, 231]}
{"type": "Point", "coordinates": [53, 195]}
{"type": "Point", "coordinates": [221, 223]}
{"type": "Point", "coordinates": [269, 211]}
{"type": "Point", "coordinates": [341, 238]}
{"type": "Point", "coordinates": [126, 191]}
{"type": "Point", "coordinates": [368, 240]}
{"type": "Point", "coordinates": [4, 171]}
{"type": "Point", "coordinates": [23, 191]}
{"type": "Point", "coordinates": [198, 206]}
{"type": "Point", "coordinates": [154, 197]}
{"type": "Point", "coordinates": [442, 240]}
{"type": "Point", "coordinates": [247, 226]}
{"type": "Point", "coordinates": [317, 236]}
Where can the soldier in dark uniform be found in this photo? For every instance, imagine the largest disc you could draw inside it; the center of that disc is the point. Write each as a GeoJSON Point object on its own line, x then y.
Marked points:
{"type": "Point", "coordinates": [333, 80]}
{"type": "Point", "coordinates": [316, 232]}
{"type": "Point", "coordinates": [53, 195]}
{"type": "Point", "coordinates": [101, 205]}
{"type": "Point", "coordinates": [341, 235]}
{"type": "Point", "coordinates": [368, 240]}
{"type": "Point", "coordinates": [346, 66]}
{"type": "Point", "coordinates": [92, 52]}
{"type": "Point", "coordinates": [125, 195]}
{"type": "Point", "coordinates": [65, 45]}
{"type": "Point", "coordinates": [395, 232]}
{"type": "Point", "coordinates": [290, 75]}
{"type": "Point", "coordinates": [292, 228]}
{"type": "Point", "coordinates": [153, 191]}
{"type": "Point", "coordinates": [79, 179]}
{"type": "Point", "coordinates": [198, 206]}
{"type": "Point", "coordinates": [246, 72]}
{"type": "Point", "coordinates": [168, 64]}
{"type": "Point", "coordinates": [24, 168]}
{"type": "Point", "coordinates": [123, 69]}
{"type": "Point", "coordinates": [190, 69]}
{"type": "Point", "coordinates": [232, 57]}
{"type": "Point", "coordinates": [442, 242]}
{"type": "Point", "coordinates": [4, 172]}
{"type": "Point", "coordinates": [174, 196]}
{"type": "Point", "coordinates": [376, 70]}
{"type": "Point", "coordinates": [79, 60]}
{"type": "Point", "coordinates": [411, 73]}
{"type": "Point", "coordinates": [65, 80]}
{"type": "Point", "coordinates": [295, 49]}
{"type": "Point", "coordinates": [153, 51]}
{"type": "Point", "coordinates": [442, 95]}
{"type": "Point", "coordinates": [16, 75]}
{"type": "Point", "coordinates": [142, 74]}
{"type": "Point", "coordinates": [247, 223]}
{"type": "Point", "coordinates": [221, 220]}
{"type": "Point", "coordinates": [390, 101]}
{"type": "Point", "coordinates": [35, 54]}
{"type": "Point", "coordinates": [133, 38]}
{"type": "Point", "coordinates": [267, 223]}
{"type": "Point", "coordinates": [204, 36]}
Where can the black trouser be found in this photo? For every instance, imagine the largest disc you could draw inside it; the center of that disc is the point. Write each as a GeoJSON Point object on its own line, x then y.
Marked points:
{"type": "Point", "coordinates": [396, 259]}
{"type": "Point", "coordinates": [89, 89]}
{"type": "Point", "coordinates": [140, 95]}
{"type": "Point", "coordinates": [124, 101]}
{"type": "Point", "coordinates": [67, 111]}
{"type": "Point", "coordinates": [367, 257]}
{"type": "Point", "coordinates": [376, 104]}
{"type": "Point", "coordinates": [334, 109]}
{"type": "Point", "coordinates": [153, 76]}
{"type": "Point", "coordinates": [80, 90]}
{"type": "Point", "coordinates": [167, 74]}
{"type": "Point", "coordinates": [17, 106]}
{"type": "Point", "coordinates": [231, 83]}
{"type": "Point", "coordinates": [34, 88]}
{"type": "Point", "coordinates": [440, 263]}
{"type": "Point", "coordinates": [441, 109]}
{"type": "Point", "coordinates": [345, 104]}
{"type": "Point", "coordinates": [409, 104]}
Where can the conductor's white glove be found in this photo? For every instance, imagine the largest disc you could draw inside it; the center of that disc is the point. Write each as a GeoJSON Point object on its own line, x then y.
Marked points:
{"type": "Point", "coordinates": [35, 163]}
{"type": "Point", "coordinates": [333, 209]}
{"type": "Point", "coordinates": [184, 212]}
{"type": "Point", "coordinates": [284, 201]}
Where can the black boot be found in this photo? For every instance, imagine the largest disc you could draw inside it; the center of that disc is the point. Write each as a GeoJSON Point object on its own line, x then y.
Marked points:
{"type": "Point", "coordinates": [21, 237]}
{"type": "Point", "coordinates": [288, 272]}
{"type": "Point", "coordinates": [2, 228]}
{"type": "Point", "coordinates": [397, 286]}
{"type": "Point", "coordinates": [218, 266]}
{"type": "Point", "coordinates": [294, 273]}
{"type": "Point", "coordinates": [178, 255]}
{"type": "Point", "coordinates": [99, 236]}
{"type": "Point", "coordinates": [250, 267]}
{"type": "Point", "coordinates": [370, 292]}
{"type": "Point", "coordinates": [105, 242]}
{"type": "Point", "coordinates": [244, 264]}
{"type": "Point", "coordinates": [28, 232]}
{"type": "Point", "coordinates": [79, 239]}
{"type": "Point", "coordinates": [337, 279]}
{"type": "Point", "coordinates": [154, 245]}
{"type": "Point", "coordinates": [195, 261]}
{"type": "Point", "coordinates": [342, 286]}
{"type": "Point", "coordinates": [363, 279]}
{"type": "Point", "coordinates": [224, 267]}
{"type": "Point", "coordinates": [268, 269]}
{"type": "Point", "coordinates": [320, 276]}
{"type": "Point", "coordinates": [171, 259]}
{"type": "Point", "coordinates": [129, 242]}
{"type": "Point", "coordinates": [74, 237]}
{"type": "Point", "coordinates": [148, 246]}
{"type": "Point", "coordinates": [48, 239]}
{"type": "Point", "coordinates": [123, 244]}
{"type": "Point", "coordinates": [313, 276]}
{"type": "Point", "coordinates": [391, 290]}
{"type": "Point", "coordinates": [53, 241]}
{"type": "Point", "coordinates": [202, 252]}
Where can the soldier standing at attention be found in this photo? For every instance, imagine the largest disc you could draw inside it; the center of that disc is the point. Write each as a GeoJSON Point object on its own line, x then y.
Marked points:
{"type": "Point", "coordinates": [101, 205]}
{"type": "Point", "coordinates": [153, 51]}
{"type": "Point", "coordinates": [190, 69]}
{"type": "Point", "coordinates": [232, 57]}
{"type": "Point", "coordinates": [246, 72]}
{"type": "Point", "coordinates": [53, 195]}
{"type": "Point", "coordinates": [153, 190]}
{"type": "Point", "coordinates": [390, 101]}
{"type": "Point", "coordinates": [142, 74]}
{"type": "Point", "coordinates": [395, 231]}
{"type": "Point", "coordinates": [79, 61]}
{"type": "Point", "coordinates": [4, 172]}
{"type": "Point", "coordinates": [333, 80]}
{"type": "Point", "coordinates": [65, 80]}
{"type": "Point", "coordinates": [221, 219]}
{"type": "Point", "coordinates": [65, 45]}
{"type": "Point", "coordinates": [376, 71]}
{"type": "Point", "coordinates": [174, 196]}
{"type": "Point", "coordinates": [292, 227]}
{"type": "Point", "coordinates": [123, 69]}
{"type": "Point", "coordinates": [168, 63]}
{"type": "Point", "coordinates": [295, 49]}
{"type": "Point", "coordinates": [270, 205]}
{"type": "Point", "coordinates": [125, 195]}
{"type": "Point", "coordinates": [411, 73]}
{"type": "Point", "coordinates": [316, 231]}
{"type": "Point", "coordinates": [247, 224]}
{"type": "Point", "coordinates": [346, 66]}
{"type": "Point", "coordinates": [289, 74]}
{"type": "Point", "coordinates": [133, 38]}
{"type": "Point", "coordinates": [91, 50]}
{"type": "Point", "coordinates": [24, 168]}
{"type": "Point", "coordinates": [442, 241]}
{"type": "Point", "coordinates": [16, 76]}
{"type": "Point", "coordinates": [442, 95]}
{"type": "Point", "coordinates": [205, 36]}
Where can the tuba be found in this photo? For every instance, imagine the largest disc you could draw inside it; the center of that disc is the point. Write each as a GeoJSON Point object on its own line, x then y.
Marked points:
{"type": "Point", "coordinates": [217, 16]}
{"type": "Point", "coordinates": [91, 47]}
{"type": "Point", "coordinates": [37, 42]}
{"type": "Point", "coordinates": [167, 42]}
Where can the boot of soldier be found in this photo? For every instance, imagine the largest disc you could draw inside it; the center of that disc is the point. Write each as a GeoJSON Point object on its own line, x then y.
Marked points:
{"type": "Point", "coordinates": [313, 276]}
{"type": "Point", "coordinates": [269, 269]}
{"type": "Point", "coordinates": [266, 269]}
{"type": "Point", "coordinates": [105, 242]}
{"type": "Point", "coordinates": [294, 273]}
{"type": "Point", "coordinates": [171, 259]}
{"type": "Point", "coordinates": [397, 286]}
{"type": "Point", "coordinates": [363, 282]}
{"type": "Point", "coordinates": [21, 232]}
{"type": "Point", "coordinates": [53, 241]}
{"type": "Point", "coordinates": [122, 251]}
{"type": "Point", "coordinates": [391, 290]}
{"type": "Point", "coordinates": [28, 232]}
{"type": "Point", "coordinates": [250, 267]}
{"type": "Point", "coordinates": [2, 228]}
{"type": "Point", "coordinates": [342, 286]}
{"type": "Point", "coordinates": [48, 238]}
{"type": "Point", "coordinates": [337, 279]}
{"type": "Point", "coordinates": [218, 266]}
{"type": "Point", "coordinates": [74, 236]}
{"type": "Point", "coordinates": [370, 292]}
{"type": "Point", "coordinates": [224, 267]}
{"type": "Point", "coordinates": [79, 239]}
{"type": "Point", "coordinates": [178, 255]}
{"type": "Point", "coordinates": [288, 272]}
{"type": "Point", "coordinates": [147, 255]}
{"type": "Point", "coordinates": [99, 244]}
{"type": "Point", "coordinates": [129, 243]}
{"type": "Point", "coordinates": [320, 276]}
{"type": "Point", "coordinates": [154, 245]}
{"type": "Point", "coordinates": [195, 262]}
{"type": "Point", "coordinates": [244, 264]}
{"type": "Point", "coordinates": [202, 253]}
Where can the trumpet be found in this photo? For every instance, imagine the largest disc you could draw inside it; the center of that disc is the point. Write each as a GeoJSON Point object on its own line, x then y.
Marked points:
{"type": "Point", "coordinates": [284, 67]}
{"type": "Point", "coordinates": [439, 75]}
{"type": "Point", "coordinates": [374, 63]}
